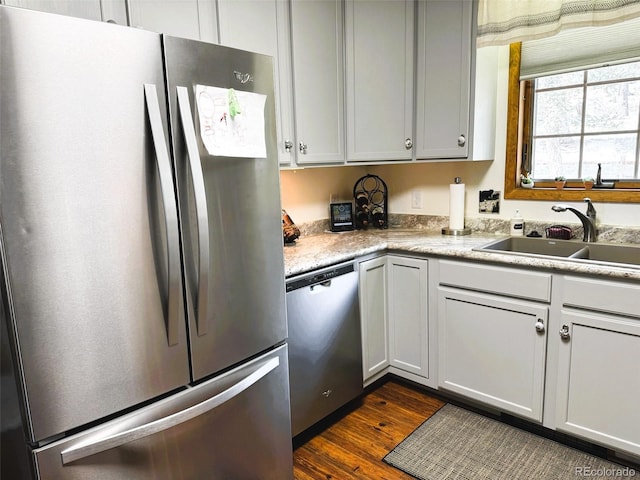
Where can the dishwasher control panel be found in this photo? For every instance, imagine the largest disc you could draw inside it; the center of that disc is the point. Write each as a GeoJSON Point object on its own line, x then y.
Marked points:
{"type": "Point", "coordinates": [319, 277]}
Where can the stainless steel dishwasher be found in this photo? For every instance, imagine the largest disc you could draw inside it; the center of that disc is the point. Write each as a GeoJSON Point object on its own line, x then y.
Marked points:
{"type": "Point", "coordinates": [325, 348]}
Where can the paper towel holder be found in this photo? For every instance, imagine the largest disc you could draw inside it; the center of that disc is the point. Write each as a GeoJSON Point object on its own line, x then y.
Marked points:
{"type": "Point", "coordinates": [456, 231]}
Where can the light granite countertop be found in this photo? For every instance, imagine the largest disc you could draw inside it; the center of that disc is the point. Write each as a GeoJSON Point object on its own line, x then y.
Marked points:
{"type": "Point", "coordinates": [311, 252]}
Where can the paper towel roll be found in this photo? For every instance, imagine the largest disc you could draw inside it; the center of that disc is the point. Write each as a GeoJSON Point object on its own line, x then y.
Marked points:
{"type": "Point", "coordinates": [456, 206]}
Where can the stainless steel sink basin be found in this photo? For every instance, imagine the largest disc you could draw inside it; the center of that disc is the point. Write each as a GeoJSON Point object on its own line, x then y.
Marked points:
{"type": "Point", "coordinates": [533, 246]}
{"type": "Point", "coordinates": [609, 253]}
{"type": "Point", "coordinates": [598, 253]}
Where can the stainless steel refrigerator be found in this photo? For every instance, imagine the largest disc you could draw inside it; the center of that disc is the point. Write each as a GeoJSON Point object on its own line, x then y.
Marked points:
{"type": "Point", "coordinates": [143, 315]}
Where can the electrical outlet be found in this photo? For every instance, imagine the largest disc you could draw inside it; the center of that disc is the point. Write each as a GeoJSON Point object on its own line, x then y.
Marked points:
{"type": "Point", "coordinates": [416, 199]}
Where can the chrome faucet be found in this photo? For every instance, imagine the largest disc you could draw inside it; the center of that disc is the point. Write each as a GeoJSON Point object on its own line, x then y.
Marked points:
{"type": "Point", "coordinates": [588, 220]}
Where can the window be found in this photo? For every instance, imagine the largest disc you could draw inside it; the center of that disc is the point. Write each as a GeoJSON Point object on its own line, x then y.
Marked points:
{"type": "Point", "coordinates": [581, 121]}
{"type": "Point", "coordinates": [586, 136]}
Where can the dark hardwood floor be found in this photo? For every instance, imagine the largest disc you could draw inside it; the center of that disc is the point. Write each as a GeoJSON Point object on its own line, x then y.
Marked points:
{"type": "Point", "coordinates": [352, 443]}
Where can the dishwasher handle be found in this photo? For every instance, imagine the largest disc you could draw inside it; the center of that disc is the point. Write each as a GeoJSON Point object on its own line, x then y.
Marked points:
{"type": "Point", "coordinates": [320, 287]}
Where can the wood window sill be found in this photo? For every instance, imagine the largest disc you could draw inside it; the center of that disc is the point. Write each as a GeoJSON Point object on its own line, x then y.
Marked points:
{"type": "Point", "coordinates": [574, 194]}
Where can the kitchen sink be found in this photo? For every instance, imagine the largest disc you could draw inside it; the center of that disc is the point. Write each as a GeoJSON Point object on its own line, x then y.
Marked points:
{"type": "Point", "coordinates": [598, 253]}
{"type": "Point", "coordinates": [609, 253]}
{"type": "Point", "coordinates": [533, 246]}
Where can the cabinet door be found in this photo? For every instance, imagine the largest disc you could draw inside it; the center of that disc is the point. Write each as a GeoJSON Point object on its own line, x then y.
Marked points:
{"type": "Point", "coordinates": [379, 79]}
{"type": "Point", "coordinates": [101, 10]}
{"type": "Point", "coordinates": [194, 19]}
{"type": "Point", "coordinates": [373, 314]}
{"type": "Point", "coordinates": [443, 79]}
{"type": "Point", "coordinates": [598, 380]}
{"type": "Point", "coordinates": [492, 349]}
{"type": "Point", "coordinates": [408, 327]}
{"type": "Point", "coordinates": [317, 42]}
{"type": "Point", "coordinates": [263, 26]}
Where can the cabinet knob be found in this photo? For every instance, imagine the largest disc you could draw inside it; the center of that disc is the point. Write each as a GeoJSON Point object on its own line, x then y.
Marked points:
{"type": "Point", "coordinates": [303, 148]}
{"type": "Point", "coordinates": [326, 393]}
{"type": "Point", "coordinates": [540, 326]}
{"type": "Point", "coordinates": [462, 140]}
{"type": "Point", "coordinates": [564, 332]}
{"type": "Point", "coordinates": [288, 145]}
{"type": "Point", "coordinates": [408, 144]}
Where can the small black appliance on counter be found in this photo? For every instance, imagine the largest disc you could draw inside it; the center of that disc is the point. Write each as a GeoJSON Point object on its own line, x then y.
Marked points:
{"type": "Point", "coordinates": [341, 216]}
{"type": "Point", "coordinates": [370, 195]}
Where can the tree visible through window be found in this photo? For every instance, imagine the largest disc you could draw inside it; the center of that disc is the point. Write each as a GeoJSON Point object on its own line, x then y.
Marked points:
{"type": "Point", "coordinates": [580, 119]}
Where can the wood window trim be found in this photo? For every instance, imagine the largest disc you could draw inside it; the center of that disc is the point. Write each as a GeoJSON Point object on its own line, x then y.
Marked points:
{"type": "Point", "coordinates": [572, 192]}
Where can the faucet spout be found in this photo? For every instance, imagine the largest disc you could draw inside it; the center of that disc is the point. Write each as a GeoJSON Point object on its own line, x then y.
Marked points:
{"type": "Point", "coordinates": [588, 220]}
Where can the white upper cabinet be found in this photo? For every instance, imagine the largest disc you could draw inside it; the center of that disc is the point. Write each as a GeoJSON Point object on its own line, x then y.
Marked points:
{"type": "Point", "coordinates": [317, 42]}
{"type": "Point", "coordinates": [379, 79]}
{"type": "Point", "coordinates": [101, 10]}
{"type": "Point", "coordinates": [194, 19]}
{"type": "Point", "coordinates": [443, 79]}
{"type": "Point", "coordinates": [263, 26]}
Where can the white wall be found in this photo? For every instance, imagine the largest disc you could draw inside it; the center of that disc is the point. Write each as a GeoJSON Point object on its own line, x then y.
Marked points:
{"type": "Point", "coordinates": [306, 193]}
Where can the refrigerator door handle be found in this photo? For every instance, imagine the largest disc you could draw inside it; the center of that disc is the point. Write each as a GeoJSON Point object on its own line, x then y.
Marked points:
{"type": "Point", "coordinates": [109, 440]}
{"type": "Point", "coordinates": [197, 179]}
{"type": "Point", "coordinates": [170, 210]}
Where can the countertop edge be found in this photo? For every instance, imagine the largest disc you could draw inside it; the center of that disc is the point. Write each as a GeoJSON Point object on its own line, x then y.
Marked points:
{"type": "Point", "coordinates": [325, 249]}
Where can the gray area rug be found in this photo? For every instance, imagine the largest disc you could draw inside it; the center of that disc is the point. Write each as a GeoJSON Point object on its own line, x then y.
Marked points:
{"type": "Point", "coordinates": [458, 444]}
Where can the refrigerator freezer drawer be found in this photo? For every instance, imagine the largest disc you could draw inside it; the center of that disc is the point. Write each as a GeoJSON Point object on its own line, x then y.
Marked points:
{"type": "Point", "coordinates": [233, 426]}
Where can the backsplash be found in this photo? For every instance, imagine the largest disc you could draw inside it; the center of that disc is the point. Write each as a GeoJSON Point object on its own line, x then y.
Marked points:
{"type": "Point", "coordinates": [435, 223]}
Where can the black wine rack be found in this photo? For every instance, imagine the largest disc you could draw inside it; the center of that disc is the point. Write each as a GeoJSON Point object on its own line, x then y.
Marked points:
{"type": "Point", "coordinates": [370, 197]}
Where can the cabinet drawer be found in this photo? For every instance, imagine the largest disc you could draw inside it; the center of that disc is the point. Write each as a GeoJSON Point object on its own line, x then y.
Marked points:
{"type": "Point", "coordinates": [499, 280]}
{"type": "Point", "coordinates": [602, 295]}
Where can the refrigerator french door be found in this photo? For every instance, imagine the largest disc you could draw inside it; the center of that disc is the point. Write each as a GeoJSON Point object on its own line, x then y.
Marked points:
{"type": "Point", "coordinates": [230, 208]}
{"type": "Point", "coordinates": [100, 332]}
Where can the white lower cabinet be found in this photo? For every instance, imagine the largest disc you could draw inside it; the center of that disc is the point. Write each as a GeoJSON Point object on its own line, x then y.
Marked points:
{"type": "Point", "coordinates": [492, 349]}
{"type": "Point", "coordinates": [408, 327]}
{"type": "Point", "coordinates": [373, 316]}
{"type": "Point", "coordinates": [494, 345]}
{"type": "Point", "coordinates": [394, 318]}
{"type": "Point", "coordinates": [598, 383]}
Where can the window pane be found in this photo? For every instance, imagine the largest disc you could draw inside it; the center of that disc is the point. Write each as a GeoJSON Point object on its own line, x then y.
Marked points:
{"type": "Point", "coordinates": [556, 156]}
{"type": "Point", "coordinates": [616, 153]}
{"type": "Point", "coordinates": [612, 107]}
{"type": "Point", "coordinates": [560, 80]}
{"type": "Point", "coordinates": [614, 72]}
{"type": "Point", "coordinates": [558, 112]}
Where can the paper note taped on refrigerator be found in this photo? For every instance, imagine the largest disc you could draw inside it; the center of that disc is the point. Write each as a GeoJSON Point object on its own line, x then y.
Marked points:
{"type": "Point", "coordinates": [231, 122]}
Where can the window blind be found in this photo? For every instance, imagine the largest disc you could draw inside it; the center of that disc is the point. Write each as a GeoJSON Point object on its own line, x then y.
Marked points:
{"type": "Point", "coordinates": [581, 48]}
